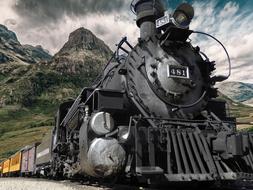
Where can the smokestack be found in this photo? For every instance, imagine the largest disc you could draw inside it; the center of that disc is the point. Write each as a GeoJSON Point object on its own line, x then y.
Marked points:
{"type": "Point", "coordinates": [147, 12]}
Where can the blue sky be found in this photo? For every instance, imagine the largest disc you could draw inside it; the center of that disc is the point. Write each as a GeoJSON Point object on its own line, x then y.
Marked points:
{"type": "Point", "coordinates": [220, 3]}
{"type": "Point", "coordinates": [49, 22]}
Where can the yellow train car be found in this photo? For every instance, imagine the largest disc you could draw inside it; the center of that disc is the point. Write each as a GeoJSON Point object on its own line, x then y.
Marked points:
{"type": "Point", "coordinates": [6, 167]}
{"type": "Point", "coordinates": [15, 162]}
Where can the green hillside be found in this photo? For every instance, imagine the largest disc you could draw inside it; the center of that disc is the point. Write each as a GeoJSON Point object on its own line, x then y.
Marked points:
{"type": "Point", "coordinates": [30, 96]}
{"type": "Point", "coordinates": [243, 113]}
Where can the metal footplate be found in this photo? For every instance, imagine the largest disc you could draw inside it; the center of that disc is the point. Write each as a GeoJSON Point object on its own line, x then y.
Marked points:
{"type": "Point", "coordinates": [189, 177]}
{"type": "Point", "coordinates": [149, 170]}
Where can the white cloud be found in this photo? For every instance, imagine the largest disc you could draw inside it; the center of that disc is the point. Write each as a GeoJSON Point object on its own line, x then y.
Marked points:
{"type": "Point", "coordinates": [234, 28]}
{"type": "Point", "coordinates": [52, 36]}
{"type": "Point", "coordinates": [8, 15]}
{"type": "Point", "coordinates": [110, 28]}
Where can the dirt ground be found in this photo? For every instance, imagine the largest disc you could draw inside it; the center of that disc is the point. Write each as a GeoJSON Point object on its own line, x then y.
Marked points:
{"type": "Point", "coordinates": [40, 184]}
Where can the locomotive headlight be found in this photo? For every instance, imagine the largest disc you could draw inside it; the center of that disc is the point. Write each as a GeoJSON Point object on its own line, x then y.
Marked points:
{"type": "Point", "coordinates": [180, 20]}
{"type": "Point", "coordinates": [183, 15]}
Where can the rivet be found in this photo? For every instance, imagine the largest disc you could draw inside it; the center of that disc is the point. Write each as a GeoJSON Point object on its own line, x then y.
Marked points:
{"type": "Point", "coordinates": [153, 65]}
{"type": "Point", "coordinates": [153, 74]}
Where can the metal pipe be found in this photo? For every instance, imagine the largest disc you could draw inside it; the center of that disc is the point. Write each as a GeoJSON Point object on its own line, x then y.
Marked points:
{"type": "Point", "coordinates": [147, 12]}
{"type": "Point", "coordinates": [189, 151]}
{"type": "Point", "coordinates": [147, 29]}
{"type": "Point", "coordinates": [197, 154]}
{"type": "Point", "coordinates": [178, 159]}
{"type": "Point", "coordinates": [182, 150]}
{"type": "Point", "coordinates": [169, 153]}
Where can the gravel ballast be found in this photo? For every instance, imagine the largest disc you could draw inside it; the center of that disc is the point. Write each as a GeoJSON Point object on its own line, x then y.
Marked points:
{"type": "Point", "coordinates": [41, 184]}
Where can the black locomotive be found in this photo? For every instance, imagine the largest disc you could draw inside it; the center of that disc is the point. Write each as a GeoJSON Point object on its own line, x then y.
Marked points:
{"type": "Point", "coordinates": [152, 115]}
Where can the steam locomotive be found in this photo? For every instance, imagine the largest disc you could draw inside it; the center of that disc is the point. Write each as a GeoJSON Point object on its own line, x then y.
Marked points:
{"type": "Point", "coordinates": [152, 115]}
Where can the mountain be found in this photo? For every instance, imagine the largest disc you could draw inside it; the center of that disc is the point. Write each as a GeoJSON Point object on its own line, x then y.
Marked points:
{"type": "Point", "coordinates": [31, 93]}
{"type": "Point", "coordinates": [11, 51]}
{"type": "Point", "coordinates": [238, 92]}
{"type": "Point", "coordinates": [239, 97]}
{"type": "Point", "coordinates": [83, 52]}
{"type": "Point", "coordinates": [73, 67]}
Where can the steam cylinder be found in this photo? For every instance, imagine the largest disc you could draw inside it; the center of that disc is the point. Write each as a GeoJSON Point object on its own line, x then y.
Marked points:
{"type": "Point", "coordinates": [102, 157]}
{"type": "Point", "coordinates": [106, 157]}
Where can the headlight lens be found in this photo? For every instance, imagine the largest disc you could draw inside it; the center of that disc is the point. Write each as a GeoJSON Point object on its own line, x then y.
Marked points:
{"type": "Point", "coordinates": [183, 15]}
{"type": "Point", "coordinates": [181, 20]}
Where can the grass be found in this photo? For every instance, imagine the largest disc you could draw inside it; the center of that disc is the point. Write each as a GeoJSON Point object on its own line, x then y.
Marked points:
{"type": "Point", "coordinates": [29, 98]}
{"type": "Point", "coordinates": [20, 126]}
{"type": "Point", "coordinates": [242, 113]}
{"type": "Point", "coordinates": [17, 117]}
{"type": "Point", "coordinates": [15, 140]}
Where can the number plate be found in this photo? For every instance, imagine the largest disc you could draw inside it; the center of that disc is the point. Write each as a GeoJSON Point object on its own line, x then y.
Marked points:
{"type": "Point", "coordinates": [178, 72]}
{"type": "Point", "coordinates": [162, 21]}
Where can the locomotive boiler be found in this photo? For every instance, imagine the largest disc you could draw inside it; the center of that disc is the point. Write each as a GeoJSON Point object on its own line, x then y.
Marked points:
{"type": "Point", "coordinates": [152, 115]}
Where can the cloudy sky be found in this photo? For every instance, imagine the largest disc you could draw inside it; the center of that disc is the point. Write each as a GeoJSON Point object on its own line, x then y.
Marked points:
{"type": "Point", "coordinates": [49, 22]}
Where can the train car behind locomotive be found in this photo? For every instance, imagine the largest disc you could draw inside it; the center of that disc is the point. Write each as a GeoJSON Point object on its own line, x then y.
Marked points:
{"type": "Point", "coordinates": [15, 163]}
{"type": "Point", "coordinates": [6, 167]}
{"type": "Point", "coordinates": [28, 160]}
{"type": "Point", "coordinates": [152, 115]}
{"type": "Point", "coordinates": [43, 157]}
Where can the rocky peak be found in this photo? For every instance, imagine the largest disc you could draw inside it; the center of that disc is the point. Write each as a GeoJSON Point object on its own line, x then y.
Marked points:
{"type": "Point", "coordinates": [82, 53]}
{"type": "Point", "coordinates": [238, 92]}
{"type": "Point", "coordinates": [11, 51]}
{"type": "Point", "coordinates": [38, 51]}
{"type": "Point", "coordinates": [7, 34]}
{"type": "Point", "coordinates": [84, 40]}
